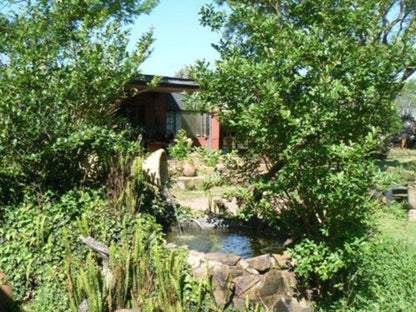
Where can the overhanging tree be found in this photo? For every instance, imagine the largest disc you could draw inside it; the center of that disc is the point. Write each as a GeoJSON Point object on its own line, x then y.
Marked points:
{"type": "Point", "coordinates": [310, 85]}
{"type": "Point", "coordinates": [64, 65]}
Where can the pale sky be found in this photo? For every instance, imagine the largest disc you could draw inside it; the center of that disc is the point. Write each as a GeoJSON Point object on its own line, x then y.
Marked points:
{"type": "Point", "coordinates": [180, 39]}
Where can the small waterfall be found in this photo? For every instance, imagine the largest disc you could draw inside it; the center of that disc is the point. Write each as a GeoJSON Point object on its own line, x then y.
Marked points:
{"type": "Point", "coordinates": [197, 222]}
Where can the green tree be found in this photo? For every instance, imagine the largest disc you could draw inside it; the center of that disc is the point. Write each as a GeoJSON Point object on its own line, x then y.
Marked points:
{"type": "Point", "coordinates": [185, 72]}
{"type": "Point", "coordinates": [310, 85]}
{"type": "Point", "coordinates": [64, 65]}
{"type": "Point", "coordinates": [406, 107]}
{"type": "Point", "coordinates": [406, 99]}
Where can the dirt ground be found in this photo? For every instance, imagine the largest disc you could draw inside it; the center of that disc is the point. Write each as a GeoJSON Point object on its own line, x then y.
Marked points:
{"type": "Point", "coordinates": [205, 201]}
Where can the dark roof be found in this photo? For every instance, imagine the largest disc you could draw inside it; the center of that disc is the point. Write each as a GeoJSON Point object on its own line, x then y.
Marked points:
{"type": "Point", "coordinates": [168, 84]}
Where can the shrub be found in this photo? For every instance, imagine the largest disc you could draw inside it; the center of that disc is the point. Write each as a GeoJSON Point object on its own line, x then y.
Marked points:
{"type": "Point", "coordinates": [183, 146]}
{"type": "Point", "coordinates": [384, 279]}
{"type": "Point", "coordinates": [59, 94]}
{"type": "Point", "coordinates": [40, 232]}
{"type": "Point", "coordinates": [209, 157]}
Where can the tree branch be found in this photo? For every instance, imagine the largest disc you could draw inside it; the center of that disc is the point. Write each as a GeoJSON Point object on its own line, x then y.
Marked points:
{"type": "Point", "coordinates": [102, 249]}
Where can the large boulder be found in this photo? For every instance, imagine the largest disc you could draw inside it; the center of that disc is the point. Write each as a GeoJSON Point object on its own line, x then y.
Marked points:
{"type": "Point", "coordinates": [273, 284]}
{"type": "Point", "coordinates": [261, 263]}
{"type": "Point", "coordinates": [224, 258]}
{"type": "Point", "coordinates": [219, 277]}
{"type": "Point", "coordinates": [6, 294]}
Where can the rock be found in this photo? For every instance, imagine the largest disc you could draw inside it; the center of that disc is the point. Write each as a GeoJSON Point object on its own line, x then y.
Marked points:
{"type": "Point", "coordinates": [83, 307]}
{"type": "Point", "coordinates": [220, 274]}
{"type": "Point", "coordinates": [200, 273]}
{"type": "Point", "coordinates": [221, 168]}
{"type": "Point", "coordinates": [236, 271]}
{"type": "Point", "coordinates": [243, 284]}
{"type": "Point", "coordinates": [260, 263]}
{"type": "Point", "coordinates": [292, 305]}
{"type": "Point", "coordinates": [195, 259]}
{"type": "Point", "coordinates": [218, 206]}
{"type": "Point", "coordinates": [243, 264]}
{"type": "Point", "coordinates": [412, 215]}
{"type": "Point", "coordinates": [225, 258]}
{"type": "Point", "coordinates": [270, 302]}
{"type": "Point", "coordinates": [252, 271]}
{"type": "Point", "coordinates": [282, 260]}
{"type": "Point", "coordinates": [260, 280]}
{"type": "Point", "coordinates": [211, 264]}
{"type": "Point", "coordinates": [273, 284]}
{"type": "Point", "coordinates": [196, 253]}
{"type": "Point", "coordinates": [290, 282]}
{"type": "Point", "coordinates": [239, 302]}
{"type": "Point", "coordinates": [220, 296]}
{"type": "Point", "coordinates": [6, 294]}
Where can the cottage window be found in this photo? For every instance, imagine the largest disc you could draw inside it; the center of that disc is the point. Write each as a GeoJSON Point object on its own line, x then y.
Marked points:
{"type": "Point", "coordinates": [194, 123]}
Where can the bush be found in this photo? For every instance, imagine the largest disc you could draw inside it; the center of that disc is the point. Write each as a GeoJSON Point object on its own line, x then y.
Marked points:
{"type": "Point", "coordinates": [209, 157]}
{"type": "Point", "coordinates": [384, 279]}
{"type": "Point", "coordinates": [42, 233]}
{"type": "Point", "coordinates": [182, 147]}
{"type": "Point", "coordinates": [59, 96]}
{"type": "Point", "coordinates": [39, 235]}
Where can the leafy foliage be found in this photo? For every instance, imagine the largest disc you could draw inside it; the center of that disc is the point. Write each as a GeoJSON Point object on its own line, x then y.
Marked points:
{"type": "Point", "coordinates": [142, 273]}
{"type": "Point", "coordinates": [182, 147]}
{"type": "Point", "coordinates": [309, 85]}
{"type": "Point", "coordinates": [39, 236]}
{"type": "Point", "coordinates": [406, 99]}
{"type": "Point", "coordinates": [64, 67]}
{"type": "Point", "coordinates": [63, 71]}
{"type": "Point", "coordinates": [383, 279]}
{"type": "Point", "coordinates": [406, 106]}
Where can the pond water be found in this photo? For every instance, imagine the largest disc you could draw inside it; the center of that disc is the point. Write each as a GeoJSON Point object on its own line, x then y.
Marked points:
{"type": "Point", "coordinates": [243, 243]}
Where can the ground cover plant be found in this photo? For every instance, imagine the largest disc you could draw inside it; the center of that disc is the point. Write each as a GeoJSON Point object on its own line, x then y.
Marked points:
{"type": "Point", "coordinates": [310, 85]}
{"type": "Point", "coordinates": [69, 166]}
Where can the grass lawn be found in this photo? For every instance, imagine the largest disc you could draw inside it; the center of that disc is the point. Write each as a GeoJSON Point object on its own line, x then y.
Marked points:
{"type": "Point", "coordinates": [191, 194]}
{"type": "Point", "coordinates": [404, 163]}
{"type": "Point", "coordinates": [400, 229]}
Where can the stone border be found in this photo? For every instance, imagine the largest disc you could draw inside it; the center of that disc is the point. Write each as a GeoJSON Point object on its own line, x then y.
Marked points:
{"type": "Point", "coordinates": [264, 280]}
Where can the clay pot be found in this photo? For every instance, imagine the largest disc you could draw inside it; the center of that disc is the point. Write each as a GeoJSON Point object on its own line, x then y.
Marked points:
{"type": "Point", "coordinates": [155, 168]}
{"type": "Point", "coordinates": [189, 169]}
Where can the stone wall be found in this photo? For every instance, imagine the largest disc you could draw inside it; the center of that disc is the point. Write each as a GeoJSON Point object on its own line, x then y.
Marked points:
{"type": "Point", "coordinates": [265, 280]}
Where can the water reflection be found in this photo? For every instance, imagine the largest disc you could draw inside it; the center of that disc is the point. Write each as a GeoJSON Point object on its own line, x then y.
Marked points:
{"type": "Point", "coordinates": [243, 243]}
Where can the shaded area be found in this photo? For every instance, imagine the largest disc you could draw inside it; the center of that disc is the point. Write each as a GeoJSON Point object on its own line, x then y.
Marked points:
{"type": "Point", "coordinates": [6, 302]}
